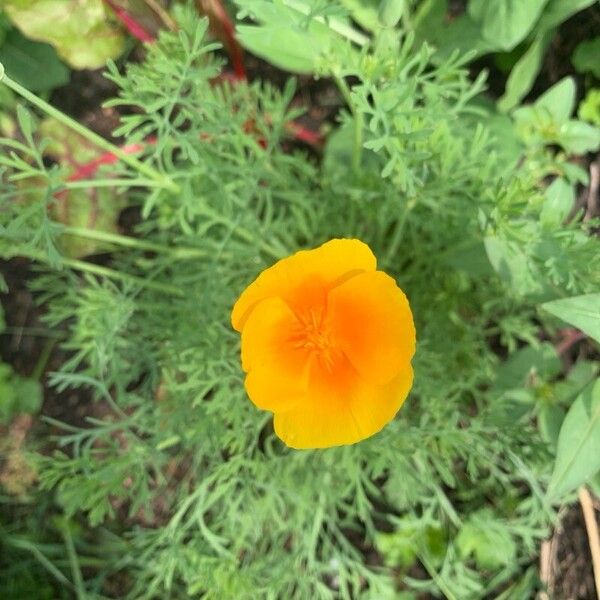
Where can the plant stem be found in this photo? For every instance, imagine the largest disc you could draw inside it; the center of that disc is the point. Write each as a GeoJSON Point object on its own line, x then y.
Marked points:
{"type": "Point", "coordinates": [87, 267]}
{"type": "Point", "coordinates": [81, 265]}
{"type": "Point", "coordinates": [74, 563]}
{"type": "Point", "coordinates": [397, 234]}
{"type": "Point", "coordinates": [43, 360]}
{"type": "Point", "coordinates": [96, 183]}
{"type": "Point", "coordinates": [131, 242]}
{"type": "Point", "coordinates": [358, 122]}
{"type": "Point", "coordinates": [94, 138]}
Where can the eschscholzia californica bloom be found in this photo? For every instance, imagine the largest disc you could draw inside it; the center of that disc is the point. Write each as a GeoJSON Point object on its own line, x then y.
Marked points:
{"type": "Point", "coordinates": [327, 342]}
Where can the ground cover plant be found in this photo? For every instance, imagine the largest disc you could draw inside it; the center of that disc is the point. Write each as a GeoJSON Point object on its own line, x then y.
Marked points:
{"type": "Point", "coordinates": [162, 479]}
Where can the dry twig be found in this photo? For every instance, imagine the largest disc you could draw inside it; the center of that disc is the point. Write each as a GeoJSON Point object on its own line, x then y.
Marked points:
{"type": "Point", "coordinates": [591, 525]}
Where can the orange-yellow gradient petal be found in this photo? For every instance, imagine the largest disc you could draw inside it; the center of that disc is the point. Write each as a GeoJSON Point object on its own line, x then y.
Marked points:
{"type": "Point", "coordinates": [336, 415]}
{"type": "Point", "coordinates": [277, 369]}
{"type": "Point", "coordinates": [329, 263]}
{"type": "Point", "coordinates": [372, 322]}
{"type": "Point", "coordinates": [327, 343]}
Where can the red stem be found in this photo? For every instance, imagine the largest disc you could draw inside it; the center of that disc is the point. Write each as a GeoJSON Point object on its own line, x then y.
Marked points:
{"type": "Point", "coordinates": [135, 28]}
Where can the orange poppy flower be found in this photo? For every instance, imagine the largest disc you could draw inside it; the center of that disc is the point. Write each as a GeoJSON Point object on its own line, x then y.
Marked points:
{"type": "Point", "coordinates": [327, 342]}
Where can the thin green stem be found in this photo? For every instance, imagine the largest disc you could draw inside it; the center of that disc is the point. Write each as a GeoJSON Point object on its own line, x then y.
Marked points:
{"type": "Point", "coordinates": [33, 331]}
{"type": "Point", "coordinates": [358, 140]}
{"type": "Point", "coordinates": [397, 235]}
{"type": "Point", "coordinates": [358, 122]}
{"type": "Point", "coordinates": [131, 242]}
{"type": "Point", "coordinates": [97, 183]}
{"type": "Point", "coordinates": [437, 578]}
{"type": "Point", "coordinates": [80, 265]}
{"type": "Point", "coordinates": [74, 563]}
{"type": "Point", "coordinates": [87, 267]}
{"type": "Point", "coordinates": [94, 138]}
{"type": "Point", "coordinates": [43, 359]}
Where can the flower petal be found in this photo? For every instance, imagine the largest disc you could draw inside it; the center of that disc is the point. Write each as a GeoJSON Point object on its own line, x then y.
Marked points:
{"type": "Point", "coordinates": [328, 264]}
{"type": "Point", "coordinates": [277, 369]}
{"type": "Point", "coordinates": [342, 409]}
{"type": "Point", "coordinates": [372, 322]}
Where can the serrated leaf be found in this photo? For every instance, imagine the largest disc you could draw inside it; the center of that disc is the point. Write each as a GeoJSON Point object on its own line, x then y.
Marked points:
{"type": "Point", "coordinates": [582, 312]}
{"type": "Point", "coordinates": [578, 451]}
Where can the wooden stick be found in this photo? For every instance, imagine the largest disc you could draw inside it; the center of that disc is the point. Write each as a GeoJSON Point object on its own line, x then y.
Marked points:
{"type": "Point", "coordinates": [591, 526]}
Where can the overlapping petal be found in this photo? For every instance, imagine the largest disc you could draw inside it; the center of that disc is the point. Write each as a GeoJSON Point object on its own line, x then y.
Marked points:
{"type": "Point", "coordinates": [287, 279]}
{"type": "Point", "coordinates": [277, 369]}
{"type": "Point", "coordinates": [342, 410]}
{"type": "Point", "coordinates": [372, 322]}
{"type": "Point", "coordinates": [326, 344]}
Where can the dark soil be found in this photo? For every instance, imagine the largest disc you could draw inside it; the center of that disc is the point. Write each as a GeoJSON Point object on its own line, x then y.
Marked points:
{"type": "Point", "coordinates": [571, 575]}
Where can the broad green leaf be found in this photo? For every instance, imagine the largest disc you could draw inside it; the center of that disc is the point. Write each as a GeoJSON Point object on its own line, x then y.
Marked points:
{"type": "Point", "coordinates": [559, 100]}
{"type": "Point", "coordinates": [586, 58]}
{"type": "Point", "coordinates": [547, 121]}
{"type": "Point", "coordinates": [297, 51]}
{"type": "Point", "coordinates": [558, 11]}
{"type": "Point", "coordinates": [579, 137]}
{"type": "Point", "coordinates": [80, 31]}
{"type": "Point", "coordinates": [578, 451]}
{"type": "Point", "coordinates": [582, 312]}
{"type": "Point", "coordinates": [506, 22]}
{"type": "Point", "coordinates": [289, 38]}
{"type": "Point", "coordinates": [462, 34]}
{"type": "Point", "coordinates": [526, 365]}
{"type": "Point", "coordinates": [34, 65]}
{"type": "Point", "coordinates": [523, 75]}
{"type": "Point", "coordinates": [550, 420]}
{"type": "Point", "coordinates": [558, 202]}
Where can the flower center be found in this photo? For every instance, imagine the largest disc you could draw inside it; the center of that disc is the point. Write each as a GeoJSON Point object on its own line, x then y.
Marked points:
{"type": "Point", "coordinates": [314, 336]}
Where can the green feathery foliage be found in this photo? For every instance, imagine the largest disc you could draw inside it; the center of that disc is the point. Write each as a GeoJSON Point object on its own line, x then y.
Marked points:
{"type": "Point", "coordinates": [177, 482]}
